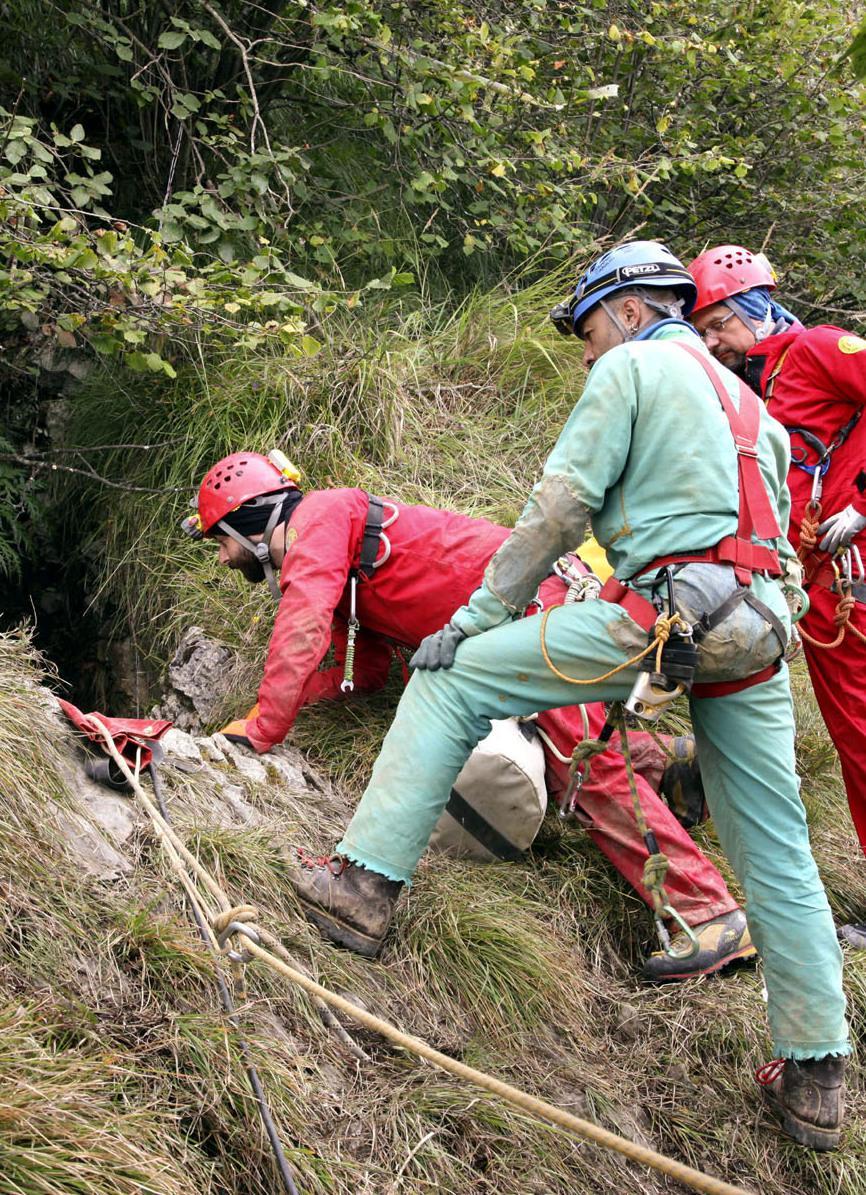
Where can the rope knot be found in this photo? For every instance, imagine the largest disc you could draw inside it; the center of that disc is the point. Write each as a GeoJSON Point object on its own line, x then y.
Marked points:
{"type": "Point", "coordinates": [241, 913]}
{"type": "Point", "coordinates": [587, 749]}
{"type": "Point", "coordinates": [655, 871]}
{"type": "Point", "coordinates": [809, 529]}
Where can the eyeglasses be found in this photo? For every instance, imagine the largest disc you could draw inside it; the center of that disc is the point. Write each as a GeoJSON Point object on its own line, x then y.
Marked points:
{"type": "Point", "coordinates": [716, 326]}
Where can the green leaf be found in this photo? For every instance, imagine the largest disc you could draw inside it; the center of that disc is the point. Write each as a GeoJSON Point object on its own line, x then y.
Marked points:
{"type": "Point", "coordinates": [15, 151]}
{"type": "Point", "coordinates": [299, 283]}
{"type": "Point", "coordinates": [857, 53]}
{"type": "Point", "coordinates": [171, 39]}
{"type": "Point", "coordinates": [208, 39]}
{"type": "Point", "coordinates": [76, 133]}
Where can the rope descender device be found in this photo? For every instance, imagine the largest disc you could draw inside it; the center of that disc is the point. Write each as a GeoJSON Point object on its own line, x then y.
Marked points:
{"type": "Point", "coordinates": [669, 671]}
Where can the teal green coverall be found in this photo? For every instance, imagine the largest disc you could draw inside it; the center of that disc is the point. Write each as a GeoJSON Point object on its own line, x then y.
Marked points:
{"type": "Point", "coordinates": [647, 456]}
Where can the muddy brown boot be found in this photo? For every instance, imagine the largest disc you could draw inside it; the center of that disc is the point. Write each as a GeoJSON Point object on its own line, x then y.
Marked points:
{"type": "Point", "coordinates": [351, 905]}
{"type": "Point", "coordinates": [810, 1095]}
{"type": "Point", "coordinates": [682, 786]}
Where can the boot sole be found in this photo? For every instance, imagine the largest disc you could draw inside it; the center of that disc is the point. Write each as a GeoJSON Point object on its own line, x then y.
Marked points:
{"type": "Point", "coordinates": [802, 1131]}
{"type": "Point", "coordinates": [340, 932]}
{"type": "Point", "coordinates": [809, 1135]}
{"type": "Point", "coordinates": [743, 955]}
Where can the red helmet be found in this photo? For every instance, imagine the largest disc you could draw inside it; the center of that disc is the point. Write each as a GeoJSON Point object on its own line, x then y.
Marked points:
{"type": "Point", "coordinates": [239, 478]}
{"type": "Point", "coordinates": [729, 270]}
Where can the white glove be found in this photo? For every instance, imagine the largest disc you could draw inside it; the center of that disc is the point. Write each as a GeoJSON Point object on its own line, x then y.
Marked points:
{"type": "Point", "coordinates": [840, 529]}
{"type": "Point", "coordinates": [793, 573]}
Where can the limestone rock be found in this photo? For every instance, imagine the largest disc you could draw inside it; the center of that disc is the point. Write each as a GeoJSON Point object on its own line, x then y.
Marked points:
{"type": "Point", "coordinates": [197, 681]}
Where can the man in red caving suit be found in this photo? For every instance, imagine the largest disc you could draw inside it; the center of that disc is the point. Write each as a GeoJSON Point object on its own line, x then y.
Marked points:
{"type": "Point", "coordinates": [813, 381]}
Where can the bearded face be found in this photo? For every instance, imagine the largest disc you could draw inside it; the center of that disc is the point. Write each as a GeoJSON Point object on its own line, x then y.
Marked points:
{"type": "Point", "coordinates": [250, 567]}
{"type": "Point", "coordinates": [235, 556]}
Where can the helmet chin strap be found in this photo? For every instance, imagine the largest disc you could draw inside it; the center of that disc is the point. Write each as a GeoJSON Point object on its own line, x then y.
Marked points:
{"type": "Point", "coordinates": [668, 310]}
{"type": "Point", "coordinates": [625, 332]}
{"type": "Point", "coordinates": [761, 330]}
{"type": "Point", "coordinates": [262, 550]}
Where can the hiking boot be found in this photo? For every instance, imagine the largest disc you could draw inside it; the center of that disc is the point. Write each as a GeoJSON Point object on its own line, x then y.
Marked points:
{"type": "Point", "coordinates": [810, 1095]}
{"type": "Point", "coordinates": [350, 904]}
{"type": "Point", "coordinates": [722, 941]}
{"type": "Point", "coordinates": [682, 786]}
{"type": "Point", "coordinates": [854, 935]}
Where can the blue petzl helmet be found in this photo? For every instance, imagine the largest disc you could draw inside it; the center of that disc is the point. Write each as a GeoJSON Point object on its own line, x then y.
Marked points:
{"type": "Point", "coordinates": [639, 263]}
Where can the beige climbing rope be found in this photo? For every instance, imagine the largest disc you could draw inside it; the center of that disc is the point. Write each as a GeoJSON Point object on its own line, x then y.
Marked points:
{"type": "Point", "coordinates": [665, 624]}
{"type": "Point", "coordinates": [240, 921]}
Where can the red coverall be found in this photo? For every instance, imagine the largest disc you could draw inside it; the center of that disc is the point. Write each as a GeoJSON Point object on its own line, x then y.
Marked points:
{"type": "Point", "coordinates": [820, 384]}
{"type": "Point", "coordinates": [437, 560]}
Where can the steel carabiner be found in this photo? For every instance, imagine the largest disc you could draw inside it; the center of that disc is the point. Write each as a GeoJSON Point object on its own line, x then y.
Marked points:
{"type": "Point", "coordinates": [665, 938]}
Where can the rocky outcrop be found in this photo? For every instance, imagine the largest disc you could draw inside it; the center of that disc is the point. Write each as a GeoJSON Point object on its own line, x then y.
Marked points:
{"type": "Point", "coordinates": [196, 683]}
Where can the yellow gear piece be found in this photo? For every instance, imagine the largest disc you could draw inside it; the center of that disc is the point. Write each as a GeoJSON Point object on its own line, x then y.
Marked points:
{"type": "Point", "coordinates": [851, 344]}
{"type": "Point", "coordinates": [592, 553]}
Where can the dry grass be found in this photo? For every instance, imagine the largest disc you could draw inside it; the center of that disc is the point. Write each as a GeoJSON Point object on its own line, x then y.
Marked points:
{"type": "Point", "coordinates": [117, 1074]}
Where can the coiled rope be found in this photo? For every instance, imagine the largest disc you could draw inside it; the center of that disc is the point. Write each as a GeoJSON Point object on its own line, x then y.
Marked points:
{"type": "Point", "coordinates": [845, 606]}
{"type": "Point", "coordinates": [228, 921]}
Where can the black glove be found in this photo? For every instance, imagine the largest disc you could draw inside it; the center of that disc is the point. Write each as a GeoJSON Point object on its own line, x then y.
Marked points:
{"type": "Point", "coordinates": [239, 738]}
{"type": "Point", "coordinates": [438, 650]}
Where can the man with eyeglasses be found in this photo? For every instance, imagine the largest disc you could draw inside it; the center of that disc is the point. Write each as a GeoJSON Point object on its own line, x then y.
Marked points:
{"type": "Point", "coordinates": [813, 381]}
{"type": "Point", "coordinates": [681, 474]}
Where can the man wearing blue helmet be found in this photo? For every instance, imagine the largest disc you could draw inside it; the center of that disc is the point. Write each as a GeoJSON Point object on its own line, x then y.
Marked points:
{"type": "Point", "coordinates": [681, 475]}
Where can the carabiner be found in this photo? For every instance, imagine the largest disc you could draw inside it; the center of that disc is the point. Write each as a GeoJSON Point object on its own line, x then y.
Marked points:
{"type": "Point", "coordinates": [245, 931]}
{"type": "Point", "coordinates": [817, 485]}
{"type": "Point", "coordinates": [665, 938]}
{"type": "Point", "coordinates": [801, 596]}
{"type": "Point", "coordinates": [854, 553]}
{"type": "Point", "coordinates": [568, 800]}
{"type": "Point", "coordinates": [347, 684]}
{"type": "Point", "coordinates": [844, 559]}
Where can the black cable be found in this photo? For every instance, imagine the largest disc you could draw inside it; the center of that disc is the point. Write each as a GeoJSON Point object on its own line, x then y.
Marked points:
{"type": "Point", "coordinates": [231, 1014]}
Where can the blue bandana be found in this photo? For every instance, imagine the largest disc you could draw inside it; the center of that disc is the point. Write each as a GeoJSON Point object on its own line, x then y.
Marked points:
{"type": "Point", "coordinates": [762, 311]}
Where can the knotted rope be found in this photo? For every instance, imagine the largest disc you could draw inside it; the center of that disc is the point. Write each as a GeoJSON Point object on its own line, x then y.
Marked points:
{"type": "Point", "coordinates": [239, 921]}
{"type": "Point", "coordinates": [847, 602]}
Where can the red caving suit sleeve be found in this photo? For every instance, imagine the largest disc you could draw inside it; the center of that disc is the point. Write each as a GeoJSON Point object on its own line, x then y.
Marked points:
{"type": "Point", "coordinates": [372, 666]}
{"type": "Point", "coordinates": [321, 546]}
{"type": "Point", "coordinates": [828, 359]}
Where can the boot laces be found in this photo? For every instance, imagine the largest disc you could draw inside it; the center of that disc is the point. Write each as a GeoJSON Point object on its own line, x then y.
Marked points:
{"type": "Point", "coordinates": [770, 1071]}
{"type": "Point", "coordinates": [335, 864]}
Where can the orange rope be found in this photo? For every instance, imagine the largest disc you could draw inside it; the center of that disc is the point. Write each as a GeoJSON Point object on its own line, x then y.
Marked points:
{"type": "Point", "coordinates": [845, 608]}
{"type": "Point", "coordinates": [809, 529]}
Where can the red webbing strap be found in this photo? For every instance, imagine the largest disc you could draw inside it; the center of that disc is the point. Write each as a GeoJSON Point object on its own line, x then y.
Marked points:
{"type": "Point", "coordinates": [756, 514]}
{"type": "Point", "coordinates": [639, 608]}
{"type": "Point", "coordinates": [764, 560]}
{"type": "Point", "coordinates": [726, 687]}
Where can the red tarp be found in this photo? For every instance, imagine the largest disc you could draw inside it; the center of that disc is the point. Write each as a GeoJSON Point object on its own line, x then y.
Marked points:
{"type": "Point", "coordinates": [130, 735]}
